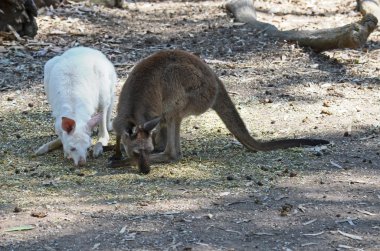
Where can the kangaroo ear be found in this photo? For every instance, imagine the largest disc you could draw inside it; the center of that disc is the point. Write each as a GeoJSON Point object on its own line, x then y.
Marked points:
{"type": "Point", "coordinates": [68, 124]}
{"type": "Point", "coordinates": [94, 120]}
{"type": "Point", "coordinates": [151, 124]}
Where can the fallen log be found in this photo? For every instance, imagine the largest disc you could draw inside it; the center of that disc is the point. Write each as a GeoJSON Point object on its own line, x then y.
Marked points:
{"type": "Point", "coordinates": [352, 35]}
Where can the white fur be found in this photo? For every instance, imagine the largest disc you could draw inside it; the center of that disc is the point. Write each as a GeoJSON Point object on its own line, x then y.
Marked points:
{"type": "Point", "coordinates": [80, 85]}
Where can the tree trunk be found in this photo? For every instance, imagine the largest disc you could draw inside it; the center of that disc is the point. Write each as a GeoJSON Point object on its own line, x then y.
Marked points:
{"type": "Point", "coordinates": [369, 6]}
{"type": "Point", "coordinates": [18, 17]}
{"type": "Point", "coordinates": [44, 3]}
{"type": "Point", "coordinates": [349, 36]}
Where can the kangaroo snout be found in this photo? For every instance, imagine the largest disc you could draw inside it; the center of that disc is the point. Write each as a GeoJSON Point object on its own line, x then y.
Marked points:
{"type": "Point", "coordinates": [82, 162]}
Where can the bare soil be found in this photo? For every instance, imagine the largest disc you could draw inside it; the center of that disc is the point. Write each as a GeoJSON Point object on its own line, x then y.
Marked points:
{"type": "Point", "coordinates": [219, 196]}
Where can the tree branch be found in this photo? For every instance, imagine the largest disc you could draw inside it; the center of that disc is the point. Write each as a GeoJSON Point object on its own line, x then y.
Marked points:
{"type": "Point", "coordinates": [369, 7]}
{"type": "Point", "coordinates": [349, 36]}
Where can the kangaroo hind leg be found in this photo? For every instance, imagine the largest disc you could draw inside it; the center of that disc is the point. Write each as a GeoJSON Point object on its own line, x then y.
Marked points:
{"type": "Point", "coordinates": [171, 153]}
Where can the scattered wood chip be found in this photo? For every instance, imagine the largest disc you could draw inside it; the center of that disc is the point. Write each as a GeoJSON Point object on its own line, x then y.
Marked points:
{"type": "Point", "coordinates": [209, 216]}
{"type": "Point", "coordinates": [122, 230]}
{"type": "Point", "coordinates": [351, 236]}
{"type": "Point", "coordinates": [242, 221]}
{"type": "Point", "coordinates": [309, 222]}
{"type": "Point", "coordinates": [96, 246]}
{"type": "Point", "coordinates": [232, 231]}
{"type": "Point", "coordinates": [315, 234]}
{"type": "Point", "coordinates": [335, 164]}
{"type": "Point", "coordinates": [130, 237]}
{"type": "Point", "coordinates": [14, 32]}
{"type": "Point", "coordinates": [365, 212]}
{"type": "Point", "coordinates": [308, 244]}
{"type": "Point", "coordinates": [236, 202]}
{"type": "Point", "coordinates": [349, 220]}
{"type": "Point", "coordinates": [263, 233]}
{"type": "Point", "coordinates": [302, 208]}
{"type": "Point", "coordinates": [344, 246]}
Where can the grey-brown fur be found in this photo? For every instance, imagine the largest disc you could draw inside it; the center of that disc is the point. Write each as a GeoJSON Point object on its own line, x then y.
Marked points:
{"type": "Point", "coordinates": [166, 87]}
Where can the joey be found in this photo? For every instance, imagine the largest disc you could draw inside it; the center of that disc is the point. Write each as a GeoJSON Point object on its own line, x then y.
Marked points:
{"type": "Point", "coordinates": [80, 87]}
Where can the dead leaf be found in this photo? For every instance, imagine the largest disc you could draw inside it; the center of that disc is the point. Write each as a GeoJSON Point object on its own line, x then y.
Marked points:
{"type": "Point", "coordinates": [326, 103]}
{"type": "Point", "coordinates": [285, 209]}
{"type": "Point", "coordinates": [38, 214]}
{"type": "Point", "coordinates": [327, 112]}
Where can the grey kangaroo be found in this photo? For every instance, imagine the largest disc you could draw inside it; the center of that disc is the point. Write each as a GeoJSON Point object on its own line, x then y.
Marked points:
{"type": "Point", "coordinates": [163, 89]}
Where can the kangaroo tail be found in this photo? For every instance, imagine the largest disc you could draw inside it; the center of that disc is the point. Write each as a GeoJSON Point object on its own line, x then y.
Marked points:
{"type": "Point", "coordinates": [226, 110]}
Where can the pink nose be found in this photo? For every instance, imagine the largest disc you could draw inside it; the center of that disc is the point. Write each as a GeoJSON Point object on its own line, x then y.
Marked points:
{"type": "Point", "coordinates": [82, 162]}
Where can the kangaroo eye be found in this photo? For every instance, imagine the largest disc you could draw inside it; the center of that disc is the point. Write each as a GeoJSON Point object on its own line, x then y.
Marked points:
{"type": "Point", "coordinates": [73, 149]}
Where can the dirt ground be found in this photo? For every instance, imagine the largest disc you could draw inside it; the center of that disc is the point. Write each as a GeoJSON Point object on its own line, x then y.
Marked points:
{"type": "Point", "coordinates": [219, 196]}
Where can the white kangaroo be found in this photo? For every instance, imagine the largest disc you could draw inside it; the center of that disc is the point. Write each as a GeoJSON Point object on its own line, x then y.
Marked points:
{"type": "Point", "coordinates": [80, 87]}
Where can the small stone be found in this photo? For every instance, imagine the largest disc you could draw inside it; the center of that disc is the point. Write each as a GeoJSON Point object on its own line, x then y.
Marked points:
{"type": "Point", "coordinates": [319, 153]}
{"type": "Point", "coordinates": [268, 101]}
{"type": "Point", "coordinates": [264, 168]}
{"type": "Point", "coordinates": [346, 134]}
{"type": "Point", "coordinates": [30, 104]}
{"type": "Point", "coordinates": [229, 177]}
{"type": "Point", "coordinates": [327, 112]}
